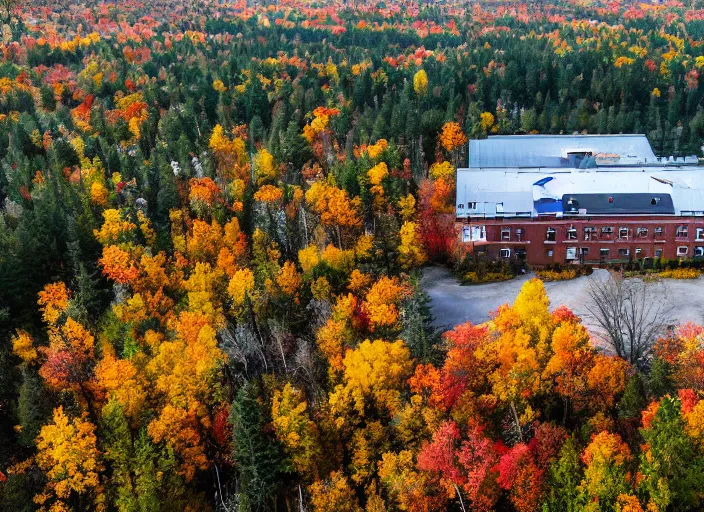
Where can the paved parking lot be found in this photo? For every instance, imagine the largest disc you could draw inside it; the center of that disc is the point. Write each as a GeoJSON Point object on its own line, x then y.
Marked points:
{"type": "Point", "coordinates": [454, 304]}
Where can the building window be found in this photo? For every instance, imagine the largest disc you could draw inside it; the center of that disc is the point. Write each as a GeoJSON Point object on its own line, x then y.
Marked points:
{"type": "Point", "coordinates": [699, 252]}
{"type": "Point", "coordinates": [682, 232]}
{"type": "Point", "coordinates": [606, 232]}
{"type": "Point", "coordinates": [519, 234]}
{"type": "Point", "coordinates": [623, 233]}
{"type": "Point", "coordinates": [682, 250]}
{"type": "Point", "coordinates": [603, 253]}
{"type": "Point", "coordinates": [583, 251]}
{"type": "Point", "coordinates": [550, 235]}
{"type": "Point", "coordinates": [505, 233]}
{"type": "Point", "coordinates": [520, 253]}
{"type": "Point", "coordinates": [549, 253]}
{"type": "Point", "coordinates": [572, 234]}
{"type": "Point", "coordinates": [505, 253]}
{"type": "Point", "coordinates": [571, 253]}
{"type": "Point", "coordinates": [700, 234]}
{"type": "Point", "coordinates": [473, 233]}
{"type": "Point", "coordinates": [642, 233]}
{"type": "Point", "coordinates": [471, 206]}
{"type": "Point", "coordinates": [658, 253]}
{"type": "Point", "coordinates": [477, 233]}
{"type": "Point", "coordinates": [657, 231]}
{"type": "Point", "coordinates": [638, 252]}
{"type": "Point", "coordinates": [589, 233]}
{"type": "Point", "coordinates": [624, 253]}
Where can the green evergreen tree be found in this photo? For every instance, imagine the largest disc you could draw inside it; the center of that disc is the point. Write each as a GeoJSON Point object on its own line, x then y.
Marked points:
{"type": "Point", "coordinates": [417, 326]}
{"type": "Point", "coordinates": [564, 477]}
{"type": "Point", "coordinates": [633, 400]}
{"type": "Point", "coordinates": [258, 458]}
{"type": "Point", "coordinates": [119, 454]}
{"type": "Point", "coordinates": [672, 467]}
{"type": "Point", "coordinates": [33, 407]}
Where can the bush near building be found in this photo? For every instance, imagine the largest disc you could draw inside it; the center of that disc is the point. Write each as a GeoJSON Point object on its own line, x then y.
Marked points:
{"type": "Point", "coordinates": [557, 272]}
{"type": "Point", "coordinates": [681, 273]}
{"type": "Point", "coordinates": [474, 269]}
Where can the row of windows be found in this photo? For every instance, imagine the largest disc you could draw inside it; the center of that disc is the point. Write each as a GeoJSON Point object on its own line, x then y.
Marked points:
{"type": "Point", "coordinates": [604, 253]}
{"type": "Point", "coordinates": [606, 232]}
{"type": "Point", "coordinates": [682, 251]}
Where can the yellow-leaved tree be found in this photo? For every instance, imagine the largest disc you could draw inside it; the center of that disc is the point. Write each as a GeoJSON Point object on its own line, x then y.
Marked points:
{"type": "Point", "coordinates": [377, 371]}
{"type": "Point", "coordinates": [420, 82]}
{"type": "Point", "coordinates": [411, 253]}
{"type": "Point", "coordinates": [334, 207]}
{"type": "Point", "coordinates": [67, 452]}
{"type": "Point", "coordinates": [296, 432]}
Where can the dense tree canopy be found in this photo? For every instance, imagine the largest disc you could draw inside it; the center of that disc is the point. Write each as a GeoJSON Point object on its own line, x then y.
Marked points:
{"type": "Point", "coordinates": [212, 220]}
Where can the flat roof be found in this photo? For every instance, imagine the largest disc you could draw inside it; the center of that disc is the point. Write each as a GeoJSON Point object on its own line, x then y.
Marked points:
{"type": "Point", "coordinates": [612, 191]}
{"type": "Point", "coordinates": [553, 151]}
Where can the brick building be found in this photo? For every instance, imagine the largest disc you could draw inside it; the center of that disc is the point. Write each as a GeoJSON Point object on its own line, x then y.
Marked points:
{"type": "Point", "coordinates": [579, 199]}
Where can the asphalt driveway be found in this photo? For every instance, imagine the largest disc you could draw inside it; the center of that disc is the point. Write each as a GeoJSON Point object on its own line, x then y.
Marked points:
{"type": "Point", "coordinates": [453, 304]}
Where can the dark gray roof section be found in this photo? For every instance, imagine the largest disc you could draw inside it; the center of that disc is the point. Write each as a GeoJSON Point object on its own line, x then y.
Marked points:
{"type": "Point", "coordinates": [535, 151]}
{"type": "Point", "coordinates": [618, 204]}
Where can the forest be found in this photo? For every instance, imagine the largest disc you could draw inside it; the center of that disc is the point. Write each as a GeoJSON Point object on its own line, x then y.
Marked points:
{"type": "Point", "coordinates": [214, 217]}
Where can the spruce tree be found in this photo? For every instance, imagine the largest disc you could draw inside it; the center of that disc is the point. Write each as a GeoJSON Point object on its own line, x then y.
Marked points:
{"type": "Point", "coordinates": [258, 458]}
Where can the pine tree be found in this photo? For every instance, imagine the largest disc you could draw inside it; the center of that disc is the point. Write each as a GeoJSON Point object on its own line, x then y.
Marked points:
{"type": "Point", "coordinates": [259, 459]}
{"type": "Point", "coordinates": [295, 150]}
{"type": "Point", "coordinates": [564, 477]}
{"type": "Point", "coordinates": [660, 378]}
{"type": "Point", "coordinates": [418, 331]}
{"type": "Point", "coordinates": [671, 465]}
{"type": "Point", "coordinates": [33, 407]}
{"type": "Point", "coordinates": [633, 400]}
{"type": "Point", "coordinates": [119, 452]}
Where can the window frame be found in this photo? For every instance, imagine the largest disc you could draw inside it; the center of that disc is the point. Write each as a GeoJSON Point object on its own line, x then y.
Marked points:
{"type": "Point", "coordinates": [683, 228]}
{"type": "Point", "coordinates": [590, 233]}
{"type": "Point", "coordinates": [680, 253]}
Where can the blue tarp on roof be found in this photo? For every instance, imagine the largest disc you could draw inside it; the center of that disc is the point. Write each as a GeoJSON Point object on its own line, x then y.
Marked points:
{"type": "Point", "coordinates": [516, 151]}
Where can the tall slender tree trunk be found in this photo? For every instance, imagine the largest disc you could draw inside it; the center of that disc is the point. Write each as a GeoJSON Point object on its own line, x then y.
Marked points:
{"type": "Point", "coordinates": [517, 421]}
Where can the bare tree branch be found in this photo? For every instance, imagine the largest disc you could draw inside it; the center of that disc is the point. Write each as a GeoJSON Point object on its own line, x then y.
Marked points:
{"type": "Point", "coordinates": [631, 314]}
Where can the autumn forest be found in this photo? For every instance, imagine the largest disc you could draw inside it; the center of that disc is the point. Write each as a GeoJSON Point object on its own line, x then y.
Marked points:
{"type": "Point", "coordinates": [214, 218]}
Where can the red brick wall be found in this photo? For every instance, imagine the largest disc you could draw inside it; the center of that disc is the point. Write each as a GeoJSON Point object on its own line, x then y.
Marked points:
{"type": "Point", "coordinates": [533, 239]}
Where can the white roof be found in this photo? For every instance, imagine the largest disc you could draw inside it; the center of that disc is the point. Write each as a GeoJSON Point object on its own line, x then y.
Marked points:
{"type": "Point", "coordinates": [552, 151]}
{"type": "Point", "coordinates": [516, 190]}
